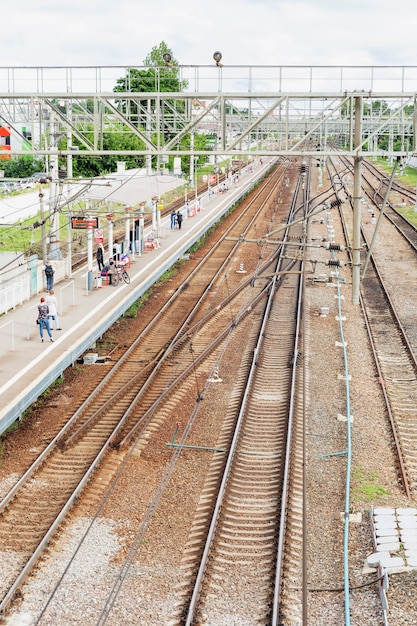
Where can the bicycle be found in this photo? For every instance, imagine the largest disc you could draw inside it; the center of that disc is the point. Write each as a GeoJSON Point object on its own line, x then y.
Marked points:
{"type": "Point", "coordinates": [119, 275]}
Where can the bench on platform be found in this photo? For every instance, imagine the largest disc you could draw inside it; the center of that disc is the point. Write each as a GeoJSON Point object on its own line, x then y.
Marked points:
{"type": "Point", "coordinates": [151, 244]}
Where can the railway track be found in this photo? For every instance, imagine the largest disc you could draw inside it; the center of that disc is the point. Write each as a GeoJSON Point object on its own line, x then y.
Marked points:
{"type": "Point", "coordinates": [241, 557]}
{"type": "Point", "coordinates": [396, 365]}
{"type": "Point", "coordinates": [397, 188]}
{"type": "Point", "coordinates": [376, 195]}
{"type": "Point", "coordinates": [397, 371]}
{"type": "Point", "coordinates": [181, 342]}
{"type": "Point", "coordinates": [79, 258]}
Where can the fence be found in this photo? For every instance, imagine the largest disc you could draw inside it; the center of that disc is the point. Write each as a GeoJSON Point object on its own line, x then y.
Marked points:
{"type": "Point", "coordinates": [18, 289]}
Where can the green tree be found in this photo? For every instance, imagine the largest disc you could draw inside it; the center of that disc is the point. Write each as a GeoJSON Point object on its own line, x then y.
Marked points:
{"type": "Point", "coordinates": [158, 77]}
{"type": "Point", "coordinates": [22, 166]}
{"type": "Point", "coordinates": [91, 166]}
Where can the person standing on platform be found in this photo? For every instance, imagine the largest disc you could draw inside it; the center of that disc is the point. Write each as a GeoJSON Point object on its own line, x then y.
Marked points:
{"type": "Point", "coordinates": [179, 219]}
{"type": "Point", "coordinates": [43, 320]}
{"type": "Point", "coordinates": [100, 258]}
{"type": "Point", "coordinates": [53, 309]}
{"type": "Point", "coordinates": [49, 273]}
{"type": "Point", "coordinates": [173, 219]}
{"type": "Point", "coordinates": [116, 251]}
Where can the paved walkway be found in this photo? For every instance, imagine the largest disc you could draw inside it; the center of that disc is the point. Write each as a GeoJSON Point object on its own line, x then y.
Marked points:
{"type": "Point", "coordinates": [28, 367]}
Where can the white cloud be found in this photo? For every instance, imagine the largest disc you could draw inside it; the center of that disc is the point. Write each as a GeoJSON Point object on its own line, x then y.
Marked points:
{"type": "Point", "coordinates": [248, 32]}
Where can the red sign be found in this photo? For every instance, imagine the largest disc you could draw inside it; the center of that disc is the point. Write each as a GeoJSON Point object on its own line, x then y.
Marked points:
{"type": "Point", "coordinates": [98, 235]}
{"type": "Point", "coordinates": [78, 223]}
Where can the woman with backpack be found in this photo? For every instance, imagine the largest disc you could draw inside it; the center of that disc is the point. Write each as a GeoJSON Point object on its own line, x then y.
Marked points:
{"type": "Point", "coordinates": [49, 273]}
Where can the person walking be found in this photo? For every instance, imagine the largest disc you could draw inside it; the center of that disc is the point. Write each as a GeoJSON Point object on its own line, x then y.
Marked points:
{"type": "Point", "coordinates": [43, 320]}
{"type": "Point", "coordinates": [49, 273]}
{"type": "Point", "coordinates": [52, 305]}
{"type": "Point", "coordinates": [173, 219]}
{"type": "Point", "coordinates": [179, 219]}
{"type": "Point", "coordinates": [100, 258]}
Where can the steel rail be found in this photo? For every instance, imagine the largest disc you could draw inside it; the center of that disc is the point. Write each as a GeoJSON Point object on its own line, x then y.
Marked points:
{"type": "Point", "coordinates": [276, 617]}
{"type": "Point", "coordinates": [189, 616]}
{"type": "Point", "coordinates": [93, 467]}
{"type": "Point", "coordinates": [185, 331]}
{"type": "Point", "coordinates": [403, 471]}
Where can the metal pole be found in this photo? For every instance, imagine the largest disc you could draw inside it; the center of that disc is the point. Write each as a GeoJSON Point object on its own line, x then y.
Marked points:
{"type": "Point", "coordinates": [191, 159]}
{"type": "Point", "coordinates": [136, 227]}
{"type": "Point", "coordinates": [159, 208]}
{"type": "Point", "coordinates": [69, 247]}
{"type": "Point", "coordinates": [89, 238]}
{"type": "Point", "coordinates": [141, 230]}
{"type": "Point", "coordinates": [127, 231]}
{"type": "Point", "coordinates": [54, 245]}
{"type": "Point", "coordinates": [154, 225]}
{"type": "Point", "coordinates": [89, 250]}
{"type": "Point", "coordinates": [43, 234]}
{"type": "Point", "coordinates": [133, 237]}
{"type": "Point", "coordinates": [357, 197]}
{"type": "Point", "coordinates": [69, 143]}
{"type": "Point", "coordinates": [148, 136]}
{"type": "Point", "coordinates": [43, 229]}
{"type": "Point", "coordinates": [110, 233]}
{"type": "Point", "coordinates": [381, 213]}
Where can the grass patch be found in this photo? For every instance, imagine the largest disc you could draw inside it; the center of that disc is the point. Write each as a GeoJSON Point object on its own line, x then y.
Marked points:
{"type": "Point", "coordinates": [366, 486]}
{"type": "Point", "coordinates": [133, 310]}
{"type": "Point", "coordinates": [23, 236]}
{"type": "Point", "coordinates": [409, 175]}
{"type": "Point", "coordinates": [51, 388]}
{"type": "Point", "coordinates": [409, 214]}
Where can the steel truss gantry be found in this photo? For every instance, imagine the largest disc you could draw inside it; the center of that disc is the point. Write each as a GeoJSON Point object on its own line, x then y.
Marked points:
{"type": "Point", "coordinates": [265, 110]}
{"type": "Point", "coordinates": [357, 111]}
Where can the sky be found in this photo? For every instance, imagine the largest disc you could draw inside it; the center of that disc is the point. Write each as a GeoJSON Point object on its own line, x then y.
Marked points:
{"type": "Point", "coordinates": [247, 32]}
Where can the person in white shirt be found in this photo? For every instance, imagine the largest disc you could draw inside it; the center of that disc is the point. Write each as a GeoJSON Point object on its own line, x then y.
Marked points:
{"type": "Point", "coordinates": [53, 308]}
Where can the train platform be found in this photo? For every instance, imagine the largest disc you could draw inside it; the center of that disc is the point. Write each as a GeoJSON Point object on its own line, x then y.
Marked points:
{"type": "Point", "coordinates": [28, 366]}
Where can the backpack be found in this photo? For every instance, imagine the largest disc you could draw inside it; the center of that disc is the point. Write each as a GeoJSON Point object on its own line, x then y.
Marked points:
{"type": "Point", "coordinates": [49, 270]}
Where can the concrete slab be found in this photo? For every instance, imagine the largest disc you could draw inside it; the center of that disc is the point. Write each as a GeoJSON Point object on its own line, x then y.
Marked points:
{"type": "Point", "coordinates": [409, 541]}
{"type": "Point", "coordinates": [392, 519]}
{"type": "Point", "coordinates": [388, 547]}
{"type": "Point", "coordinates": [386, 532]}
{"type": "Point", "coordinates": [410, 511]}
{"type": "Point", "coordinates": [375, 558]}
{"type": "Point", "coordinates": [384, 511]}
{"type": "Point", "coordinates": [407, 523]}
{"type": "Point", "coordinates": [388, 539]}
{"type": "Point", "coordinates": [391, 561]}
{"type": "Point", "coordinates": [385, 520]}
{"type": "Point", "coordinates": [411, 554]}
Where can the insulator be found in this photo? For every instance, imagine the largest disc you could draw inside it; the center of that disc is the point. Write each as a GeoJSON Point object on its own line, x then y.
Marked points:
{"type": "Point", "coordinates": [335, 263]}
{"type": "Point", "coordinates": [334, 203]}
{"type": "Point", "coordinates": [334, 246]}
